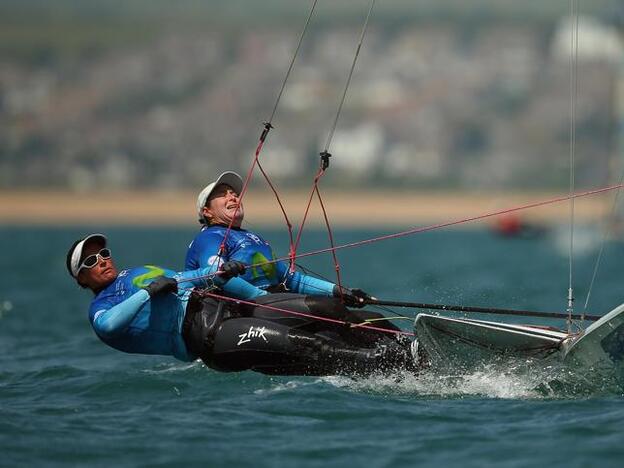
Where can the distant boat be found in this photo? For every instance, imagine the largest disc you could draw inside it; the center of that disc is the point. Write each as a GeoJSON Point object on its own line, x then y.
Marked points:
{"type": "Point", "coordinates": [514, 226]}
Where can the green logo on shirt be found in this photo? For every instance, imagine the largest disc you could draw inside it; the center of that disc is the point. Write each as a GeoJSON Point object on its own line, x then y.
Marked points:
{"type": "Point", "coordinates": [146, 278]}
{"type": "Point", "coordinates": [262, 263]}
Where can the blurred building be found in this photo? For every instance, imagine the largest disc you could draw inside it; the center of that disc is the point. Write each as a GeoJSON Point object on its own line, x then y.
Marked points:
{"type": "Point", "coordinates": [438, 104]}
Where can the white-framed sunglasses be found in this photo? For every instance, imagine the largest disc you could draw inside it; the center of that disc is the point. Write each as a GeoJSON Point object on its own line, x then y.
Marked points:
{"type": "Point", "coordinates": [92, 260]}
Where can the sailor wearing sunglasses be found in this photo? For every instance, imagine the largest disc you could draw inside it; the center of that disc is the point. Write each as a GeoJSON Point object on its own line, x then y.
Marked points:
{"type": "Point", "coordinates": [139, 310]}
{"type": "Point", "coordinates": [153, 310]}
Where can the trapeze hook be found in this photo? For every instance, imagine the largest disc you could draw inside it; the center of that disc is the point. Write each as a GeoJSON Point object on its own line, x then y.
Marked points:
{"type": "Point", "coordinates": [325, 159]}
{"type": "Point", "coordinates": [265, 132]}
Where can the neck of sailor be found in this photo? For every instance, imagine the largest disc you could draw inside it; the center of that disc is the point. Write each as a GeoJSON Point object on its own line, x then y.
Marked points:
{"type": "Point", "coordinates": [222, 209]}
{"type": "Point", "coordinates": [101, 275]}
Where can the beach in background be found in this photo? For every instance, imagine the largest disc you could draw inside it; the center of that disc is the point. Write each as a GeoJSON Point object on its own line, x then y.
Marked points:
{"type": "Point", "coordinates": [346, 209]}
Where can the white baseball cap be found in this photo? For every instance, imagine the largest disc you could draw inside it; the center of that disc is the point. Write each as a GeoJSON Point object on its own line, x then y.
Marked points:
{"type": "Point", "coordinates": [75, 252]}
{"type": "Point", "coordinates": [228, 177]}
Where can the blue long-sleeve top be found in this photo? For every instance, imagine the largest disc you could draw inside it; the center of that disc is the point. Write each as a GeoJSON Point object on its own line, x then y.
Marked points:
{"type": "Point", "coordinates": [250, 249]}
{"type": "Point", "coordinates": [124, 317]}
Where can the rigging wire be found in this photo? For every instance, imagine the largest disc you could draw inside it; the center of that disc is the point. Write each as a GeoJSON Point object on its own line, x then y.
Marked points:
{"type": "Point", "coordinates": [610, 217]}
{"type": "Point", "coordinates": [348, 83]}
{"type": "Point", "coordinates": [366, 323]}
{"type": "Point", "coordinates": [325, 155]}
{"type": "Point", "coordinates": [267, 128]}
{"type": "Point", "coordinates": [433, 227]}
{"type": "Point", "coordinates": [571, 197]}
{"type": "Point", "coordinates": [574, 18]}
{"type": "Point", "coordinates": [292, 62]}
{"type": "Point", "coordinates": [400, 234]}
{"type": "Point", "coordinates": [382, 319]}
{"type": "Point", "coordinates": [308, 271]}
{"type": "Point", "coordinates": [303, 314]}
{"type": "Point", "coordinates": [602, 244]}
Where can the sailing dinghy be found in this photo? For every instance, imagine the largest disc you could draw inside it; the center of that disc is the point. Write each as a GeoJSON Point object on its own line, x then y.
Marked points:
{"type": "Point", "coordinates": [458, 342]}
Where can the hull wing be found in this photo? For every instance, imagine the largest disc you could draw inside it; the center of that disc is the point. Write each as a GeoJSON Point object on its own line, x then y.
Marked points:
{"type": "Point", "coordinates": [601, 347]}
{"type": "Point", "coordinates": [465, 343]}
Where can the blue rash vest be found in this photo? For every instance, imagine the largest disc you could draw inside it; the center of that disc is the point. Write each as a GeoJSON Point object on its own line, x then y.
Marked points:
{"type": "Point", "coordinates": [125, 318]}
{"type": "Point", "coordinates": [250, 249]}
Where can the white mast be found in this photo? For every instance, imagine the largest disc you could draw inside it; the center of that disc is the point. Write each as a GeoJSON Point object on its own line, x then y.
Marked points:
{"type": "Point", "coordinates": [573, 100]}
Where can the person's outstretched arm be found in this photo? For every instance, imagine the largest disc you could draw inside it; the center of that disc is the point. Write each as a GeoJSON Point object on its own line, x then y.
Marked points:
{"type": "Point", "coordinates": [306, 284]}
{"type": "Point", "coordinates": [225, 278]}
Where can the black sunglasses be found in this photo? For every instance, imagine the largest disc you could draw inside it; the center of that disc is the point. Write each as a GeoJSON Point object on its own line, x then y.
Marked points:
{"type": "Point", "coordinates": [92, 260]}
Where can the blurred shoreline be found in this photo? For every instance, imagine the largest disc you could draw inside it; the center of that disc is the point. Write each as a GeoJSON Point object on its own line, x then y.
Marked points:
{"type": "Point", "coordinates": [345, 209]}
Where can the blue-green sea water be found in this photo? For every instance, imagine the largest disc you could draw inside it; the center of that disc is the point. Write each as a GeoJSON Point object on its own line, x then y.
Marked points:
{"type": "Point", "coordinates": [66, 399]}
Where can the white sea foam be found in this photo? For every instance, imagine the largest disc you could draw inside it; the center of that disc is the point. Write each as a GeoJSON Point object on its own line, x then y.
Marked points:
{"type": "Point", "coordinates": [520, 380]}
{"type": "Point", "coordinates": [434, 385]}
{"type": "Point", "coordinates": [175, 367]}
{"type": "Point", "coordinates": [287, 386]}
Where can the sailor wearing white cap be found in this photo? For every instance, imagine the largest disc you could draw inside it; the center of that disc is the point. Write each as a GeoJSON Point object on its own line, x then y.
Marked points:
{"type": "Point", "coordinates": [219, 207]}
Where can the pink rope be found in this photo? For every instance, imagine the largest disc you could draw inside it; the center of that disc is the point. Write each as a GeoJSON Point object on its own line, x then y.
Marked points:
{"type": "Point", "coordinates": [331, 243]}
{"type": "Point", "coordinates": [459, 221]}
{"type": "Point", "coordinates": [263, 136]}
{"type": "Point", "coordinates": [442, 225]}
{"type": "Point", "coordinates": [303, 314]}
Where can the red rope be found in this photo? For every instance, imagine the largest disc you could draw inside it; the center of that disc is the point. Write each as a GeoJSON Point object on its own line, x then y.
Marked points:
{"type": "Point", "coordinates": [288, 223]}
{"type": "Point", "coordinates": [331, 243]}
{"type": "Point", "coordinates": [267, 127]}
{"type": "Point", "coordinates": [305, 215]}
{"type": "Point", "coordinates": [265, 132]}
{"type": "Point", "coordinates": [442, 225]}
{"type": "Point", "coordinates": [459, 221]}
{"type": "Point", "coordinates": [293, 251]}
{"type": "Point", "coordinates": [256, 161]}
